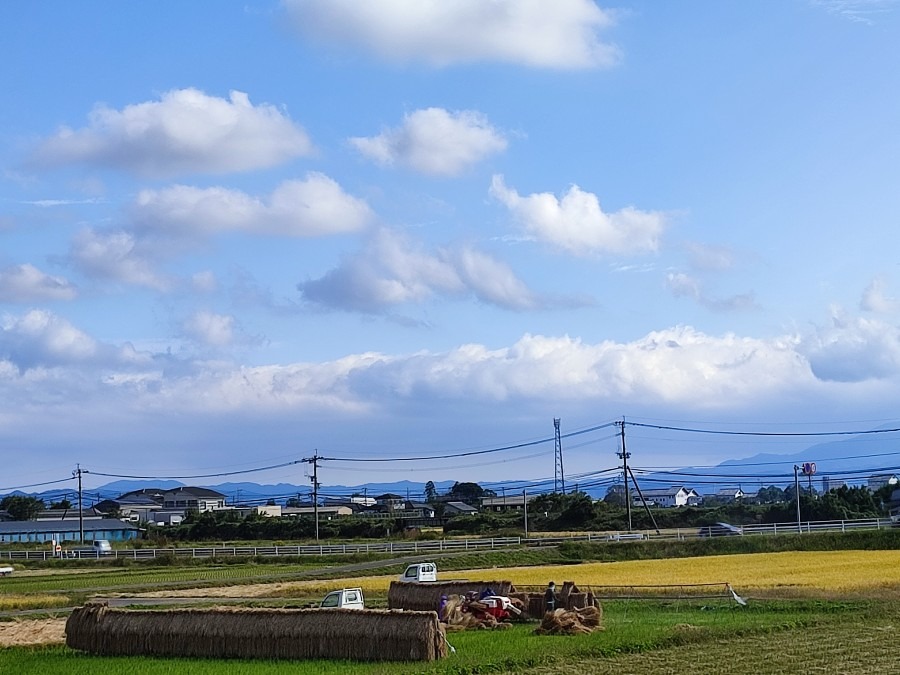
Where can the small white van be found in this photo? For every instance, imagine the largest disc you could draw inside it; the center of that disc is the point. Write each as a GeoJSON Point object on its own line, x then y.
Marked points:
{"type": "Point", "coordinates": [346, 598]}
{"type": "Point", "coordinates": [420, 573]}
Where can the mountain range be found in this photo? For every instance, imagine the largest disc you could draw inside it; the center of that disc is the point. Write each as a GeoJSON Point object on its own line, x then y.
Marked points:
{"type": "Point", "coordinates": [851, 460]}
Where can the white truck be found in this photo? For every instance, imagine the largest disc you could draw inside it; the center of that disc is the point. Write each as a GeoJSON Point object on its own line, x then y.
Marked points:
{"type": "Point", "coordinates": [420, 573]}
{"type": "Point", "coordinates": [6, 571]}
{"type": "Point", "coordinates": [346, 598]}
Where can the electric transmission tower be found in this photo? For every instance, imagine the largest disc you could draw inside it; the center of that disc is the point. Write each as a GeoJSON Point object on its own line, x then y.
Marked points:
{"type": "Point", "coordinates": [559, 476]}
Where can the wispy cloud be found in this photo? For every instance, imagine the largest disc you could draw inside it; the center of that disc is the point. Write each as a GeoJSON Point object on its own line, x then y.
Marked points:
{"type": "Point", "coordinates": [860, 11]}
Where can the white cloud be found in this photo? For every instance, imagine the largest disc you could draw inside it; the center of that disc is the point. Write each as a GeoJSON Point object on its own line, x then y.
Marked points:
{"type": "Point", "coordinates": [577, 224]}
{"type": "Point", "coordinates": [45, 361]}
{"type": "Point", "coordinates": [208, 328]}
{"type": "Point", "coordinates": [393, 271]}
{"type": "Point", "coordinates": [42, 338]}
{"type": "Point", "coordinates": [314, 206]}
{"type": "Point", "coordinates": [875, 298]}
{"type": "Point", "coordinates": [859, 11]}
{"type": "Point", "coordinates": [115, 256]}
{"type": "Point", "coordinates": [26, 283]}
{"type": "Point", "coordinates": [185, 132]}
{"type": "Point", "coordinates": [534, 33]}
{"type": "Point", "coordinates": [853, 349]}
{"type": "Point", "coordinates": [435, 141]}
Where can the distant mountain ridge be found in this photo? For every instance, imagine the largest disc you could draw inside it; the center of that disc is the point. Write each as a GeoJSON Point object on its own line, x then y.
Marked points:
{"type": "Point", "coordinates": [853, 460]}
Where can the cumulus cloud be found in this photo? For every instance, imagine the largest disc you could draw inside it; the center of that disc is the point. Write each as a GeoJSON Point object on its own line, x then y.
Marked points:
{"type": "Point", "coordinates": [26, 283]}
{"type": "Point", "coordinates": [42, 338]}
{"type": "Point", "coordinates": [392, 271]}
{"type": "Point", "coordinates": [576, 223]}
{"type": "Point", "coordinates": [208, 328]}
{"type": "Point", "coordinates": [562, 34]}
{"type": "Point", "coordinates": [314, 206]}
{"type": "Point", "coordinates": [434, 141]}
{"type": "Point", "coordinates": [678, 367]}
{"type": "Point", "coordinates": [185, 132]}
{"type": "Point", "coordinates": [875, 298]}
{"type": "Point", "coordinates": [683, 285]}
{"type": "Point", "coordinates": [116, 256]}
{"type": "Point", "coordinates": [853, 349]}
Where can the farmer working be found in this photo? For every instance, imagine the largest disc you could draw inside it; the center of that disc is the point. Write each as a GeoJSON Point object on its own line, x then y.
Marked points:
{"type": "Point", "coordinates": [550, 597]}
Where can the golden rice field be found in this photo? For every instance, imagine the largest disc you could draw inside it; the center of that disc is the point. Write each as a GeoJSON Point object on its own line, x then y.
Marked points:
{"type": "Point", "coordinates": [788, 574]}
{"type": "Point", "coordinates": [13, 602]}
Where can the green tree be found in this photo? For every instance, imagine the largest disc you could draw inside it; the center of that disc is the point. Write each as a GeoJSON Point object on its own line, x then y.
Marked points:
{"type": "Point", "coordinates": [21, 507]}
{"type": "Point", "coordinates": [431, 493]}
{"type": "Point", "coordinates": [63, 504]}
{"type": "Point", "coordinates": [470, 493]}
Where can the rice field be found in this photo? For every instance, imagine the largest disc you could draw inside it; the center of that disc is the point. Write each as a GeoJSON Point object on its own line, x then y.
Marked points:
{"type": "Point", "coordinates": [788, 574]}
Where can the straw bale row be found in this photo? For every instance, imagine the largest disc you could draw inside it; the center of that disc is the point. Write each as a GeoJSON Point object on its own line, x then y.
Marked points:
{"type": "Point", "coordinates": [229, 632]}
{"type": "Point", "coordinates": [427, 596]}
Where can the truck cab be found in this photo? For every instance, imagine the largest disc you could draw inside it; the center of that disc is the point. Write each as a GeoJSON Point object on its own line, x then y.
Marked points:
{"type": "Point", "coordinates": [420, 573]}
{"type": "Point", "coordinates": [346, 598]}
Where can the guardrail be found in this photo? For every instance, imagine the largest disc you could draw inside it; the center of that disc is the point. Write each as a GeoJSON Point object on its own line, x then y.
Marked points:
{"type": "Point", "coordinates": [441, 545]}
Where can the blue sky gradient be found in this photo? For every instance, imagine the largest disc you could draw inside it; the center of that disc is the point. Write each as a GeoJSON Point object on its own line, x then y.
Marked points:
{"type": "Point", "coordinates": [240, 233]}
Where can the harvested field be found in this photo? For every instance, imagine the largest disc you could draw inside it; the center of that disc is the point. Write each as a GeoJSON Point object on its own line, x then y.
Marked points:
{"type": "Point", "coordinates": [32, 632]}
{"type": "Point", "coordinates": [225, 632]}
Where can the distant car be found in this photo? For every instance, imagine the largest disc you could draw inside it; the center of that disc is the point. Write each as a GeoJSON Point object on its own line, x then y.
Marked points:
{"type": "Point", "coordinates": [719, 530]}
{"type": "Point", "coordinates": [6, 571]}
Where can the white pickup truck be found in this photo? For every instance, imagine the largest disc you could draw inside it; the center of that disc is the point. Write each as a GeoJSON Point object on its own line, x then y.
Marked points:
{"type": "Point", "coordinates": [6, 571]}
{"type": "Point", "coordinates": [346, 598]}
{"type": "Point", "coordinates": [420, 573]}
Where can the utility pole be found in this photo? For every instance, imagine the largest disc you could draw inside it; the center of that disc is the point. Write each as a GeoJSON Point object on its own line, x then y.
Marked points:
{"type": "Point", "coordinates": [559, 475]}
{"type": "Point", "coordinates": [77, 473]}
{"type": "Point", "coordinates": [797, 495]}
{"type": "Point", "coordinates": [525, 505]}
{"type": "Point", "coordinates": [624, 455]}
{"type": "Point", "coordinates": [314, 460]}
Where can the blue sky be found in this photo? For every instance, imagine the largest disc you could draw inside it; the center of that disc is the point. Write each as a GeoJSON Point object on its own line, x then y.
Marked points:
{"type": "Point", "coordinates": [236, 234]}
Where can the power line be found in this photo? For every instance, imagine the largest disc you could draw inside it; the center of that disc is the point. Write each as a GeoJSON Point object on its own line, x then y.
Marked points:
{"type": "Point", "coordinates": [207, 475]}
{"type": "Point", "coordinates": [762, 433]}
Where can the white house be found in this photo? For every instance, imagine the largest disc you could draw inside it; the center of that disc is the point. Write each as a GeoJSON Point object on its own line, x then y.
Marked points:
{"type": "Point", "coordinates": [669, 497]}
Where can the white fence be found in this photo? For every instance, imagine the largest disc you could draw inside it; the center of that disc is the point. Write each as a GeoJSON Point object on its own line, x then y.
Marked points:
{"type": "Point", "coordinates": [440, 545]}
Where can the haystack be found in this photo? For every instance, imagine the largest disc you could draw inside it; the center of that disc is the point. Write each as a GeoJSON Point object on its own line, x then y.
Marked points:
{"type": "Point", "coordinates": [571, 621]}
{"type": "Point", "coordinates": [427, 596]}
{"type": "Point", "coordinates": [229, 632]}
{"type": "Point", "coordinates": [463, 614]}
